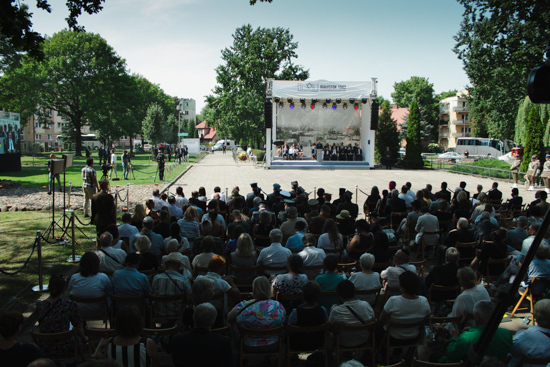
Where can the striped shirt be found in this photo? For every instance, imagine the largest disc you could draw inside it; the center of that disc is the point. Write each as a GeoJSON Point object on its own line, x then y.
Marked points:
{"type": "Point", "coordinates": [170, 283]}
{"type": "Point", "coordinates": [88, 175]}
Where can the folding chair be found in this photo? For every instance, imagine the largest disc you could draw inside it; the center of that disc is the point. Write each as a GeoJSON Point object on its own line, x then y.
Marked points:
{"type": "Point", "coordinates": [98, 340]}
{"type": "Point", "coordinates": [240, 272]}
{"type": "Point", "coordinates": [417, 363]}
{"type": "Point", "coordinates": [541, 284]}
{"type": "Point", "coordinates": [39, 338]}
{"type": "Point", "coordinates": [498, 266]}
{"type": "Point", "coordinates": [276, 269]}
{"type": "Point", "coordinates": [369, 345]}
{"type": "Point", "coordinates": [155, 334]}
{"type": "Point", "coordinates": [313, 271]}
{"type": "Point", "coordinates": [94, 300]}
{"type": "Point", "coordinates": [290, 301]}
{"type": "Point", "coordinates": [396, 218]}
{"type": "Point", "coordinates": [445, 292]}
{"type": "Point", "coordinates": [276, 332]}
{"type": "Point", "coordinates": [467, 252]}
{"type": "Point", "coordinates": [364, 294]}
{"type": "Point", "coordinates": [306, 334]}
{"type": "Point", "coordinates": [424, 243]}
{"type": "Point", "coordinates": [164, 301]}
{"type": "Point", "coordinates": [401, 325]}
{"type": "Point", "coordinates": [346, 267]}
{"type": "Point", "coordinates": [419, 267]}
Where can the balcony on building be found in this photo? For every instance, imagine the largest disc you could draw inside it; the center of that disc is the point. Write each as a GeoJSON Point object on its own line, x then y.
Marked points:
{"type": "Point", "coordinates": [461, 135]}
{"type": "Point", "coordinates": [462, 122]}
{"type": "Point", "coordinates": [443, 122]}
{"type": "Point", "coordinates": [461, 109]}
{"type": "Point", "coordinates": [444, 134]}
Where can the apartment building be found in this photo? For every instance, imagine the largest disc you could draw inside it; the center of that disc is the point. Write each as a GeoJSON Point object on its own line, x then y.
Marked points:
{"type": "Point", "coordinates": [453, 119]}
{"type": "Point", "coordinates": [187, 111]}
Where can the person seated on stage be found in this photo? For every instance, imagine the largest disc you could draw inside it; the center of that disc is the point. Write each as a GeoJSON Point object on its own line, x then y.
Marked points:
{"type": "Point", "coordinates": [334, 152]}
{"type": "Point", "coordinates": [292, 152]}
{"type": "Point", "coordinates": [349, 152]}
{"type": "Point", "coordinates": [326, 152]}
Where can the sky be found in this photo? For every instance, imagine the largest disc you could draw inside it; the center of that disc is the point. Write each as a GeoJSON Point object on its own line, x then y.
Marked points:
{"type": "Point", "coordinates": [177, 44]}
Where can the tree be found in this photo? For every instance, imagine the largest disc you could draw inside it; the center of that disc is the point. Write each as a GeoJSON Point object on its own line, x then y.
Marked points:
{"type": "Point", "coordinates": [422, 91]}
{"type": "Point", "coordinates": [534, 139]}
{"type": "Point", "coordinates": [499, 42]}
{"type": "Point", "coordinates": [238, 99]}
{"type": "Point", "coordinates": [191, 129]}
{"type": "Point", "coordinates": [413, 157]}
{"type": "Point", "coordinates": [153, 124]}
{"type": "Point", "coordinates": [79, 76]}
{"type": "Point", "coordinates": [16, 32]}
{"type": "Point", "coordinates": [387, 134]}
{"type": "Point", "coordinates": [522, 121]}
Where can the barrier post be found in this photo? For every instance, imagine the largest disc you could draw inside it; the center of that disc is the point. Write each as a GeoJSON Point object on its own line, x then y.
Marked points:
{"type": "Point", "coordinates": [40, 287]}
{"type": "Point", "coordinates": [356, 193]}
{"type": "Point", "coordinates": [315, 192]}
{"type": "Point", "coordinates": [74, 258]}
{"type": "Point", "coordinates": [70, 190]}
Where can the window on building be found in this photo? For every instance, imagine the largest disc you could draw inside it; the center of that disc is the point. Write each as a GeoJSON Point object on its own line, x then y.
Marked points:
{"type": "Point", "coordinates": [37, 137]}
{"type": "Point", "coordinates": [50, 137]}
{"type": "Point", "coordinates": [186, 113]}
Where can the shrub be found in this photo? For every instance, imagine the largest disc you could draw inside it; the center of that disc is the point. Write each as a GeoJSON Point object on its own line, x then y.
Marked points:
{"type": "Point", "coordinates": [434, 148]}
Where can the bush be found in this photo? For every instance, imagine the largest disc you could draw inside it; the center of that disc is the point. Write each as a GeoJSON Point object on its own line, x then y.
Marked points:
{"type": "Point", "coordinates": [434, 148]}
{"type": "Point", "coordinates": [260, 154]}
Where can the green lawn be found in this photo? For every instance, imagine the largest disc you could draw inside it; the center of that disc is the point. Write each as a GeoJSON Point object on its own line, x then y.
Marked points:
{"type": "Point", "coordinates": [17, 236]}
{"type": "Point", "coordinates": [145, 171]}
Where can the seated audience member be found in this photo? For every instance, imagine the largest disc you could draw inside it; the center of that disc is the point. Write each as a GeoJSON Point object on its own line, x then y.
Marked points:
{"type": "Point", "coordinates": [380, 249]}
{"type": "Point", "coordinates": [288, 228]}
{"type": "Point", "coordinates": [130, 348]}
{"type": "Point", "coordinates": [308, 314]}
{"type": "Point", "coordinates": [181, 200]}
{"type": "Point", "coordinates": [361, 242]}
{"type": "Point", "coordinates": [222, 286]}
{"type": "Point", "coordinates": [110, 259]}
{"type": "Point", "coordinates": [294, 242]}
{"type": "Point", "coordinates": [147, 260]}
{"type": "Point", "coordinates": [202, 291]}
{"type": "Point", "coordinates": [89, 283]}
{"type": "Point", "coordinates": [175, 234]}
{"type": "Point", "coordinates": [117, 242]}
{"type": "Point", "coordinates": [200, 347]}
{"type": "Point", "coordinates": [317, 223]}
{"type": "Point", "coordinates": [150, 212]}
{"type": "Point", "coordinates": [484, 228]}
{"type": "Point", "coordinates": [244, 256]}
{"type": "Point", "coordinates": [292, 282]}
{"type": "Point", "coordinates": [427, 222]}
{"type": "Point", "coordinates": [231, 245]}
{"type": "Point", "coordinates": [394, 204]}
{"type": "Point", "coordinates": [172, 247]}
{"type": "Point", "coordinates": [214, 216]}
{"type": "Point", "coordinates": [129, 281]}
{"type": "Point", "coordinates": [346, 224]}
{"type": "Point", "coordinates": [260, 313]}
{"type": "Point", "coordinates": [516, 235]}
{"type": "Point", "coordinates": [491, 250]}
{"type": "Point", "coordinates": [189, 224]}
{"type": "Point", "coordinates": [459, 347]}
{"type": "Point", "coordinates": [312, 256]}
{"type": "Point", "coordinates": [126, 229]}
{"type": "Point", "coordinates": [163, 226]}
{"type": "Point", "coordinates": [366, 279]}
{"type": "Point", "coordinates": [460, 234]}
{"type": "Point", "coordinates": [471, 293]}
{"type": "Point", "coordinates": [331, 238]}
{"type": "Point", "coordinates": [533, 342]}
{"type": "Point", "coordinates": [384, 227]}
{"type": "Point", "coordinates": [329, 280]}
{"type": "Point", "coordinates": [202, 260]}
{"type": "Point", "coordinates": [265, 225]}
{"type": "Point", "coordinates": [237, 222]}
{"type": "Point", "coordinates": [406, 197]}
{"type": "Point", "coordinates": [400, 265]}
{"type": "Point", "coordinates": [207, 229]}
{"type": "Point", "coordinates": [445, 275]}
{"type": "Point", "coordinates": [175, 212]}
{"type": "Point", "coordinates": [137, 217]}
{"type": "Point", "coordinates": [56, 314]}
{"type": "Point", "coordinates": [13, 353]}
{"type": "Point", "coordinates": [408, 307]}
{"type": "Point", "coordinates": [515, 202]}
{"type": "Point", "coordinates": [170, 283]}
{"type": "Point", "coordinates": [275, 255]}
{"type": "Point", "coordinates": [351, 311]}
{"type": "Point", "coordinates": [157, 241]}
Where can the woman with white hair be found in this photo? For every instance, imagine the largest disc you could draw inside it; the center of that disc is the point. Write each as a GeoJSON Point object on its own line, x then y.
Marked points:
{"type": "Point", "coordinates": [366, 279]}
{"type": "Point", "coordinates": [471, 293]}
{"type": "Point", "coordinates": [260, 313]}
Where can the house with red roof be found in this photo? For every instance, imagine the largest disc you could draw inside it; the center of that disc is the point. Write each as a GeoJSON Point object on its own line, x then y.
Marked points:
{"type": "Point", "coordinates": [206, 134]}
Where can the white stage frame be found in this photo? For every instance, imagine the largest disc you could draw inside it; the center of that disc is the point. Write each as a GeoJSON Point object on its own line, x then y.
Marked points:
{"type": "Point", "coordinates": [321, 90]}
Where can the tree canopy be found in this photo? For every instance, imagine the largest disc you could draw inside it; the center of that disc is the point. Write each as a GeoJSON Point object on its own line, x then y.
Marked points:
{"type": "Point", "coordinates": [413, 156]}
{"type": "Point", "coordinates": [387, 134]}
{"type": "Point", "coordinates": [534, 138]}
{"type": "Point", "coordinates": [16, 34]}
{"type": "Point", "coordinates": [499, 42]}
{"type": "Point", "coordinates": [237, 101]}
{"type": "Point", "coordinates": [420, 90]}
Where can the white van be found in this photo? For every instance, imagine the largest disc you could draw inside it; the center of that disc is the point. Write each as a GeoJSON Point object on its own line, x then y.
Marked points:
{"type": "Point", "coordinates": [220, 143]}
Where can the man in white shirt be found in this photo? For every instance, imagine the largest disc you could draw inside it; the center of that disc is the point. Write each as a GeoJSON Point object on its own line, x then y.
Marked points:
{"type": "Point", "coordinates": [275, 255]}
{"type": "Point", "coordinates": [113, 164]}
{"type": "Point", "coordinates": [126, 229]}
{"type": "Point", "coordinates": [110, 259]}
{"type": "Point", "coordinates": [181, 200]}
{"type": "Point", "coordinates": [218, 190]}
{"type": "Point", "coordinates": [406, 197]}
{"type": "Point", "coordinates": [312, 256]}
{"type": "Point", "coordinates": [400, 265]}
{"type": "Point", "coordinates": [427, 222]}
{"type": "Point", "coordinates": [157, 200]}
{"type": "Point", "coordinates": [351, 312]}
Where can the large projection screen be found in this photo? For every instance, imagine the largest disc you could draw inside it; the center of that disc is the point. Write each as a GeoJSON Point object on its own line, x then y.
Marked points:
{"type": "Point", "coordinates": [10, 133]}
{"type": "Point", "coordinates": [307, 126]}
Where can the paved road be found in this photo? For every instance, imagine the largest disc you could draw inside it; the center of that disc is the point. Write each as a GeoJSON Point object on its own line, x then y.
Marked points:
{"type": "Point", "coordinates": [221, 170]}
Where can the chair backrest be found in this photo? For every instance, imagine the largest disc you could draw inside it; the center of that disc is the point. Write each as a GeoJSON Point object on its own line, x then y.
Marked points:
{"type": "Point", "coordinates": [378, 267]}
{"type": "Point", "coordinates": [467, 251]}
{"type": "Point", "coordinates": [313, 271]}
{"type": "Point", "coordinates": [398, 364]}
{"type": "Point", "coordinates": [443, 290]}
{"type": "Point", "coordinates": [497, 265]}
{"type": "Point", "coordinates": [355, 329]}
{"type": "Point", "coordinates": [275, 332]}
{"type": "Point", "coordinates": [92, 300]}
{"type": "Point", "coordinates": [527, 360]}
{"type": "Point", "coordinates": [361, 293]}
{"type": "Point", "coordinates": [419, 267]}
{"type": "Point", "coordinates": [159, 332]}
{"type": "Point", "coordinates": [417, 363]}
{"type": "Point", "coordinates": [39, 338]}
{"type": "Point", "coordinates": [98, 339]}
{"type": "Point", "coordinates": [156, 300]}
{"type": "Point", "coordinates": [346, 267]}
{"type": "Point", "coordinates": [334, 251]}
{"type": "Point", "coordinates": [275, 269]}
{"type": "Point", "coordinates": [396, 218]}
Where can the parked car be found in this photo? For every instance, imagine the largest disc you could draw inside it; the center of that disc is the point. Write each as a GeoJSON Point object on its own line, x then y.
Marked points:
{"type": "Point", "coordinates": [450, 155]}
{"type": "Point", "coordinates": [147, 147]}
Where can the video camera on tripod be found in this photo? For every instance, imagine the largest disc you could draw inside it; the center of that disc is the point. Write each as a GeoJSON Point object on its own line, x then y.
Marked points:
{"type": "Point", "coordinates": [105, 168]}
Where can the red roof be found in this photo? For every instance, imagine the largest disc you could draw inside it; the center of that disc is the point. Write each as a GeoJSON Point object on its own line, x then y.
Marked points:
{"type": "Point", "coordinates": [210, 135]}
{"type": "Point", "coordinates": [202, 125]}
{"type": "Point", "coordinates": [399, 114]}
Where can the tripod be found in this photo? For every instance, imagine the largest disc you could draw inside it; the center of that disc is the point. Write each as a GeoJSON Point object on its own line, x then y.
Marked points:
{"type": "Point", "coordinates": [131, 171]}
{"type": "Point", "coordinates": [51, 228]}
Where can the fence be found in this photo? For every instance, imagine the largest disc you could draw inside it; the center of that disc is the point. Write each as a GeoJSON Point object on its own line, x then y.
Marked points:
{"type": "Point", "coordinates": [487, 172]}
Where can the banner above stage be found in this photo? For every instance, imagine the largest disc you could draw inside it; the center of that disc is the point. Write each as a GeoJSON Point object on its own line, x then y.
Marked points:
{"type": "Point", "coordinates": [320, 89]}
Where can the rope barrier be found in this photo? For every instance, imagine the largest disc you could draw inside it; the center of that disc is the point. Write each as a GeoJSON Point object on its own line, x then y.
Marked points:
{"type": "Point", "coordinates": [26, 261]}
{"type": "Point", "coordinates": [118, 195]}
{"type": "Point", "coordinates": [79, 221]}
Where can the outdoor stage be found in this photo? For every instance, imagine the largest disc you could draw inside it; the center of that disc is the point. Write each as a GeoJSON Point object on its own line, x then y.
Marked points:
{"type": "Point", "coordinates": [308, 163]}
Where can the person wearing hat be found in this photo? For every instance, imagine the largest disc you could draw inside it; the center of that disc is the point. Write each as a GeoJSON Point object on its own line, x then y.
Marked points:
{"type": "Point", "coordinates": [533, 172]}
{"type": "Point", "coordinates": [302, 204]}
{"type": "Point", "coordinates": [346, 224]}
{"type": "Point", "coordinates": [270, 199]}
{"type": "Point", "coordinates": [256, 192]}
{"type": "Point", "coordinates": [296, 189]}
{"type": "Point", "coordinates": [515, 170]}
{"type": "Point", "coordinates": [103, 208]}
{"type": "Point", "coordinates": [313, 205]}
{"type": "Point", "coordinates": [281, 218]}
{"type": "Point", "coordinates": [546, 174]}
{"type": "Point", "coordinates": [289, 226]}
{"type": "Point", "coordinates": [170, 283]}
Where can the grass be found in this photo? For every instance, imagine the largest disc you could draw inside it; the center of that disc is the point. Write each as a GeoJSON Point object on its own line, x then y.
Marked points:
{"type": "Point", "coordinates": [145, 170]}
{"type": "Point", "coordinates": [17, 236]}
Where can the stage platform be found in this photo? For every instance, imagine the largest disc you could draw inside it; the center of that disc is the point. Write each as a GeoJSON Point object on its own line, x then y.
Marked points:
{"type": "Point", "coordinates": [308, 163]}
